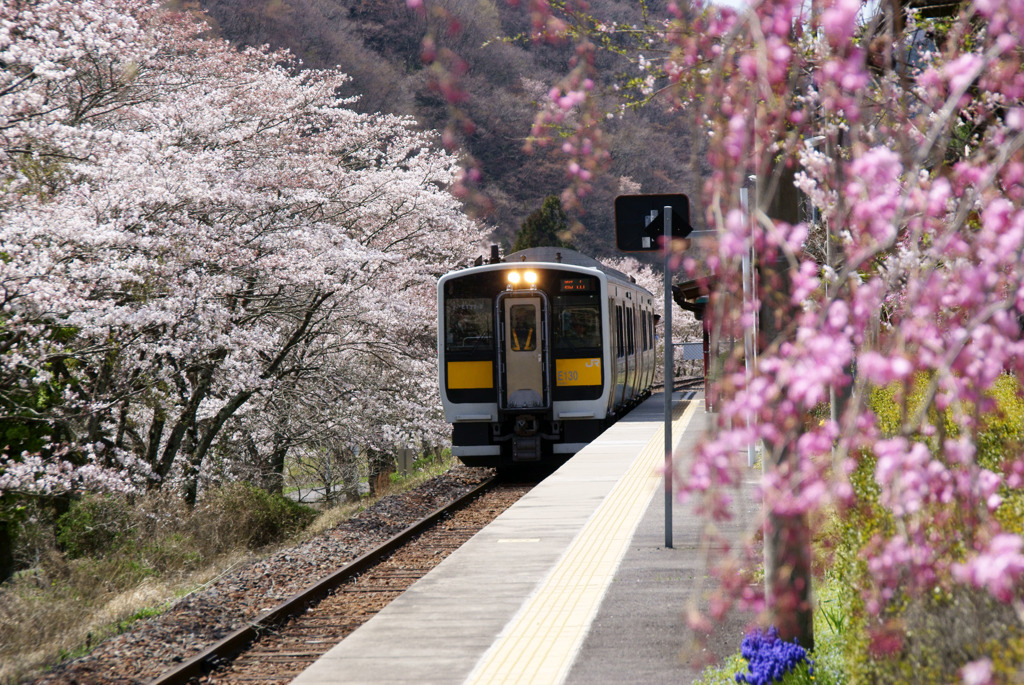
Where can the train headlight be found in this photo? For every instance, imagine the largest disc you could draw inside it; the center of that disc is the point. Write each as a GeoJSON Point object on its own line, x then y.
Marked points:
{"type": "Point", "coordinates": [513, 278]}
{"type": "Point", "coordinates": [530, 277]}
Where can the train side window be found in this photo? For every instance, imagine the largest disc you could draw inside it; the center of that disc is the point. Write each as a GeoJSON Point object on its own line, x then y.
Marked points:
{"type": "Point", "coordinates": [620, 346]}
{"type": "Point", "coordinates": [629, 331]}
{"type": "Point", "coordinates": [643, 330]}
{"type": "Point", "coordinates": [469, 323]}
{"type": "Point", "coordinates": [632, 331]}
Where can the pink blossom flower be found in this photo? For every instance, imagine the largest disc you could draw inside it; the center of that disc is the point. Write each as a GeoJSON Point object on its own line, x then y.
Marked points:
{"type": "Point", "coordinates": [962, 71]}
{"type": "Point", "coordinates": [998, 569]}
{"type": "Point", "coordinates": [977, 672]}
{"type": "Point", "coordinates": [882, 370]}
{"type": "Point", "coordinates": [839, 20]}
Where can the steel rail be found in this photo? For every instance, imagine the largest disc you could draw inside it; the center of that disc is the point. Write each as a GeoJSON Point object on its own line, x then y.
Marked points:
{"type": "Point", "coordinates": [223, 651]}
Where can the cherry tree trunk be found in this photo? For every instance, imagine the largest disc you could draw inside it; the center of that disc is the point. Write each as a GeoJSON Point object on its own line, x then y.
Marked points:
{"type": "Point", "coordinates": [787, 546]}
{"type": "Point", "coordinates": [6, 551]}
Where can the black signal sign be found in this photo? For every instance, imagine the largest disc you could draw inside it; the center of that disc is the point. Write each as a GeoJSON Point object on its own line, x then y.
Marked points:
{"type": "Point", "coordinates": [640, 220]}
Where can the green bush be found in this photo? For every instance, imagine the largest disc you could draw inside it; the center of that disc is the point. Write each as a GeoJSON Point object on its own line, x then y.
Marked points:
{"type": "Point", "coordinates": [929, 637]}
{"type": "Point", "coordinates": [113, 558]}
{"type": "Point", "coordinates": [241, 514]}
{"type": "Point", "coordinates": [1002, 431]}
{"type": "Point", "coordinates": [128, 540]}
{"type": "Point", "coordinates": [95, 526]}
{"type": "Point", "coordinates": [935, 635]}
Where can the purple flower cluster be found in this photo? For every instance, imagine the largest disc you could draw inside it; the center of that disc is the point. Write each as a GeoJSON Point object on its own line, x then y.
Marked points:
{"type": "Point", "coordinates": [769, 658]}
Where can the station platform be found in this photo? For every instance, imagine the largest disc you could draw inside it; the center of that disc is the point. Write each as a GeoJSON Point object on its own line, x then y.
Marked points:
{"type": "Point", "coordinates": [572, 584]}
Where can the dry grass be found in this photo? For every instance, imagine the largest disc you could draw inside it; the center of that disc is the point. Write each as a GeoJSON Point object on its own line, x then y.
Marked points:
{"type": "Point", "coordinates": [124, 561]}
{"type": "Point", "coordinates": [156, 553]}
{"type": "Point", "coordinates": [332, 517]}
{"type": "Point", "coordinates": [62, 610]}
{"type": "Point", "coordinates": [342, 512]}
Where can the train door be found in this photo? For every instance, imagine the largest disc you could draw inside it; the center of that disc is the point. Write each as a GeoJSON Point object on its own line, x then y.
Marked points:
{"type": "Point", "coordinates": [524, 350]}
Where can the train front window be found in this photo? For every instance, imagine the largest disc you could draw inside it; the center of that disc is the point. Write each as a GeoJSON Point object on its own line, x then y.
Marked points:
{"type": "Point", "coordinates": [577, 325]}
{"type": "Point", "coordinates": [523, 327]}
{"type": "Point", "coordinates": [469, 323]}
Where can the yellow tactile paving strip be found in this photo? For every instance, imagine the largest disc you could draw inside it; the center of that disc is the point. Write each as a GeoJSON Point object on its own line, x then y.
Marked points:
{"type": "Point", "coordinates": [539, 645]}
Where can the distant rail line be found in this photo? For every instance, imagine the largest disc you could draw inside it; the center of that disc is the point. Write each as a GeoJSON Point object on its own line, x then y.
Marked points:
{"type": "Point", "coordinates": [682, 383]}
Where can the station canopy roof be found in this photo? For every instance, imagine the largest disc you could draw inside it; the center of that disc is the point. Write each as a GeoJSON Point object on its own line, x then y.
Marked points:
{"type": "Point", "coordinates": [692, 295]}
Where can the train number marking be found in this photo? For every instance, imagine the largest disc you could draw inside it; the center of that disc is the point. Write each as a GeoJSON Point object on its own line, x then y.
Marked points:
{"type": "Point", "coordinates": [572, 372]}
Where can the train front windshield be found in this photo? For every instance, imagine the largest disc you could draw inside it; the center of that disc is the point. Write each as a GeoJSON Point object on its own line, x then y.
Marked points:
{"type": "Point", "coordinates": [469, 323]}
{"type": "Point", "coordinates": [577, 324]}
{"type": "Point", "coordinates": [575, 316]}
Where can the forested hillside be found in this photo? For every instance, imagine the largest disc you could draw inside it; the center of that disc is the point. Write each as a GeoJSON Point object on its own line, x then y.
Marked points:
{"type": "Point", "coordinates": [379, 44]}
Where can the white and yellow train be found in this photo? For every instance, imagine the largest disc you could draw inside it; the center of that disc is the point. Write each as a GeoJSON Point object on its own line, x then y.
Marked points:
{"type": "Point", "coordinates": [539, 353]}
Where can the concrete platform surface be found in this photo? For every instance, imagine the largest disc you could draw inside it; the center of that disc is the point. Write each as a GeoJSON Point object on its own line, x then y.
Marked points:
{"type": "Point", "coordinates": [572, 584]}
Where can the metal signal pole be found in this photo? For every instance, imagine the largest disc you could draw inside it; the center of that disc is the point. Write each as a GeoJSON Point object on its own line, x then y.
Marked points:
{"type": "Point", "coordinates": [669, 377]}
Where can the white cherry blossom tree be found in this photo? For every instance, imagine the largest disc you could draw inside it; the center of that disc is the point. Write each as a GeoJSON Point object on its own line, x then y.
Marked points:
{"type": "Point", "coordinates": [185, 228]}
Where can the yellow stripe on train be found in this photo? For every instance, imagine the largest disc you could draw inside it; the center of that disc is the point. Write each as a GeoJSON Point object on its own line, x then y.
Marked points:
{"type": "Point", "coordinates": [578, 371]}
{"type": "Point", "coordinates": [470, 375]}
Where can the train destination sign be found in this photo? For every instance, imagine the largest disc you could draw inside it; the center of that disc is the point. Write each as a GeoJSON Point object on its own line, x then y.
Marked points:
{"type": "Point", "coordinates": [577, 285]}
{"type": "Point", "coordinates": [640, 220]}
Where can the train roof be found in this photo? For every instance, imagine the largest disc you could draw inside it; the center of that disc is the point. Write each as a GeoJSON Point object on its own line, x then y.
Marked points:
{"type": "Point", "coordinates": [563, 255]}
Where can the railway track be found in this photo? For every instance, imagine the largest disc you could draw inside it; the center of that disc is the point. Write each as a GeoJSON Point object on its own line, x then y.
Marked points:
{"type": "Point", "coordinates": [228, 611]}
{"type": "Point", "coordinates": [280, 643]}
{"type": "Point", "coordinates": [683, 383]}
